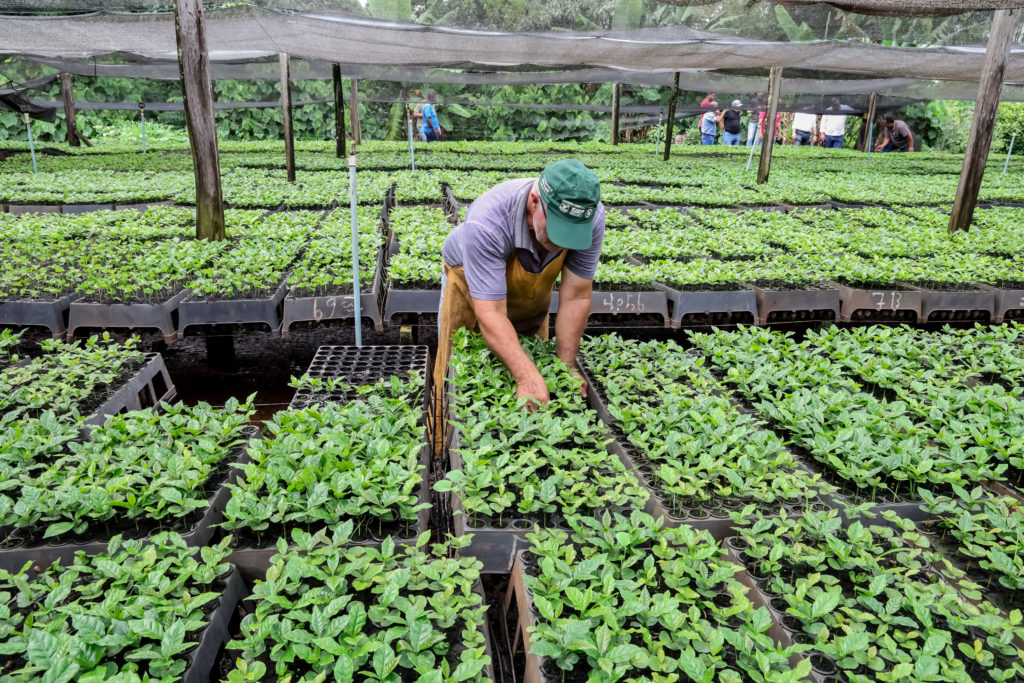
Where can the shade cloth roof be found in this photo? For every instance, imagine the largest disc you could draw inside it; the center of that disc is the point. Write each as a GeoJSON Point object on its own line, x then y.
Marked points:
{"type": "Point", "coordinates": [359, 41]}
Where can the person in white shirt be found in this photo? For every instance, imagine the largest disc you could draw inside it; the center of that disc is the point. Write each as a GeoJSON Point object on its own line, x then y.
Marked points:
{"type": "Point", "coordinates": [833, 125]}
{"type": "Point", "coordinates": [804, 126]}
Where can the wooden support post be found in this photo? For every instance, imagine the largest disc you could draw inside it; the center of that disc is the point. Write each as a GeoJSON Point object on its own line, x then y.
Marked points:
{"type": "Point", "coordinates": [353, 113]}
{"type": "Point", "coordinates": [616, 92]}
{"type": "Point", "coordinates": [764, 167]}
{"type": "Point", "coordinates": [70, 118]}
{"type": "Point", "coordinates": [671, 116]}
{"type": "Point", "coordinates": [864, 142]}
{"type": "Point", "coordinates": [339, 112]}
{"type": "Point", "coordinates": [286, 115]}
{"type": "Point", "coordinates": [990, 87]}
{"type": "Point", "coordinates": [194, 65]}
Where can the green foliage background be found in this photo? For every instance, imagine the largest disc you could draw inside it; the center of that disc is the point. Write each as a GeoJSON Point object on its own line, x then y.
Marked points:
{"type": "Point", "coordinates": [940, 125]}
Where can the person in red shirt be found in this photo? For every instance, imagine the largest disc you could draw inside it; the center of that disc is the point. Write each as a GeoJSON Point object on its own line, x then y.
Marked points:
{"type": "Point", "coordinates": [761, 125]}
{"type": "Point", "coordinates": [706, 102]}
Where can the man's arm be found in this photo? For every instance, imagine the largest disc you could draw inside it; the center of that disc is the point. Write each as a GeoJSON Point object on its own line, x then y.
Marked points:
{"type": "Point", "coordinates": [501, 337]}
{"type": "Point", "coordinates": [573, 311]}
{"type": "Point", "coordinates": [910, 142]}
{"type": "Point", "coordinates": [883, 143]}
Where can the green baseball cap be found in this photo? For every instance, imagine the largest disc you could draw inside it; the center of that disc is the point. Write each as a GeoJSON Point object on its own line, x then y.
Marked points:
{"type": "Point", "coordinates": [570, 191]}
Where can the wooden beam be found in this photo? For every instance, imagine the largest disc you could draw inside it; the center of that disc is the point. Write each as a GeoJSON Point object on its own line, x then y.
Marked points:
{"type": "Point", "coordinates": [671, 117]}
{"type": "Point", "coordinates": [353, 113]}
{"type": "Point", "coordinates": [616, 92]}
{"type": "Point", "coordinates": [197, 91]}
{"type": "Point", "coordinates": [990, 87]}
{"type": "Point", "coordinates": [339, 112]}
{"type": "Point", "coordinates": [70, 118]}
{"type": "Point", "coordinates": [866, 129]}
{"type": "Point", "coordinates": [764, 167]}
{"type": "Point", "coordinates": [286, 115]}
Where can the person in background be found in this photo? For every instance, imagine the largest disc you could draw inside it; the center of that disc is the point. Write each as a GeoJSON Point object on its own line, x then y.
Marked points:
{"type": "Point", "coordinates": [757, 106]}
{"type": "Point", "coordinates": [708, 99]}
{"type": "Point", "coordinates": [804, 127]}
{"type": "Point", "coordinates": [763, 126]}
{"type": "Point", "coordinates": [897, 136]}
{"type": "Point", "coordinates": [709, 124]}
{"type": "Point", "coordinates": [430, 130]}
{"type": "Point", "coordinates": [729, 119]}
{"type": "Point", "coordinates": [417, 118]}
{"type": "Point", "coordinates": [833, 125]}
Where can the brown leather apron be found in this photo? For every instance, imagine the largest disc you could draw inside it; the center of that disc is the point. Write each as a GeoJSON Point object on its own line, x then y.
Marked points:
{"type": "Point", "coordinates": [528, 296]}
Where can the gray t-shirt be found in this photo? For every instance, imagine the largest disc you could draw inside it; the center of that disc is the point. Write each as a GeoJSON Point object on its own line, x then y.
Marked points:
{"type": "Point", "coordinates": [899, 134]}
{"type": "Point", "coordinates": [495, 227]}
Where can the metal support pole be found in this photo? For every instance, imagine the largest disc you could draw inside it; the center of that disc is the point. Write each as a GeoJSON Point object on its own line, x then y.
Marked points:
{"type": "Point", "coordinates": [31, 143]}
{"type": "Point", "coordinates": [142, 114]}
{"type": "Point", "coordinates": [1007, 164]}
{"type": "Point", "coordinates": [750, 158]}
{"type": "Point", "coordinates": [871, 136]}
{"type": "Point", "coordinates": [356, 303]}
{"type": "Point", "coordinates": [412, 152]}
{"type": "Point", "coordinates": [661, 121]}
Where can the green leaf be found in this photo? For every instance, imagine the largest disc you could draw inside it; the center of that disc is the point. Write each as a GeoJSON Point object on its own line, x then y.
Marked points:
{"type": "Point", "coordinates": [58, 529]}
{"type": "Point", "coordinates": [901, 670]}
{"type": "Point", "coordinates": [825, 603]}
{"type": "Point", "coordinates": [343, 669]}
{"type": "Point", "coordinates": [43, 648]}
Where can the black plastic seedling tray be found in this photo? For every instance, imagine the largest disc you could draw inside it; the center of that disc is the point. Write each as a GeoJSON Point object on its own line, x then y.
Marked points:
{"type": "Point", "coordinates": [720, 526]}
{"type": "Point", "coordinates": [778, 630]}
{"type": "Point", "coordinates": [363, 366]}
{"type": "Point", "coordinates": [712, 307]}
{"type": "Point", "coordinates": [318, 309]}
{"type": "Point", "coordinates": [32, 208]}
{"type": "Point", "coordinates": [796, 305]}
{"type": "Point", "coordinates": [895, 304]}
{"type": "Point", "coordinates": [85, 208]}
{"type": "Point", "coordinates": [148, 388]}
{"type": "Point", "coordinates": [162, 316]}
{"type": "Point", "coordinates": [1009, 305]}
{"type": "Point", "coordinates": [216, 633]}
{"type": "Point", "coordinates": [624, 304]}
{"type": "Point", "coordinates": [357, 365]}
{"type": "Point", "coordinates": [253, 562]}
{"type": "Point", "coordinates": [539, 669]}
{"type": "Point", "coordinates": [267, 311]}
{"type": "Point", "coordinates": [496, 546]}
{"type": "Point", "coordinates": [49, 314]}
{"type": "Point", "coordinates": [14, 558]}
{"type": "Point", "coordinates": [418, 301]}
{"type": "Point", "coordinates": [939, 306]}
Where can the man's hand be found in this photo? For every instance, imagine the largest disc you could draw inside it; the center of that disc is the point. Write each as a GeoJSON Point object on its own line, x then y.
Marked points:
{"type": "Point", "coordinates": [501, 337]}
{"type": "Point", "coordinates": [534, 389]}
{"type": "Point", "coordinates": [583, 385]}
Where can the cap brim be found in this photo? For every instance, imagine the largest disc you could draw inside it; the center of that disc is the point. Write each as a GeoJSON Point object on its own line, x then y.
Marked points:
{"type": "Point", "coordinates": [570, 235]}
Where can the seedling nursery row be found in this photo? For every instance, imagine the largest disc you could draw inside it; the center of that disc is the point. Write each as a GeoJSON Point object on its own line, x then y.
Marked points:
{"type": "Point", "coordinates": [845, 506]}
{"type": "Point", "coordinates": [721, 504]}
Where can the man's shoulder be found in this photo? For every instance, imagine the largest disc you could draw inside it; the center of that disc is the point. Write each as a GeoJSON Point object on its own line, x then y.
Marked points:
{"type": "Point", "coordinates": [498, 202]}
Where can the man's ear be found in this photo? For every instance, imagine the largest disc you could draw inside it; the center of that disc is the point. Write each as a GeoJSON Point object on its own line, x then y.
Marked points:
{"type": "Point", "coordinates": [533, 199]}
